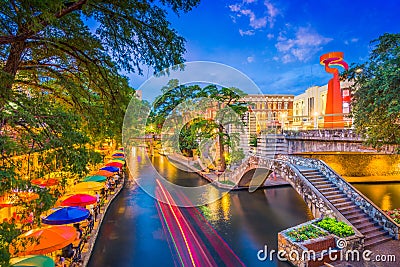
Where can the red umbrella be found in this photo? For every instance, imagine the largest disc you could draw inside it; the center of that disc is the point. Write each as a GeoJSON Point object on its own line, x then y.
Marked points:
{"type": "Point", "coordinates": [115, 164]}
{"type": "Point", "coordinates": [45, 182]}
{"type": "Point", "coordinates": [79, 200]}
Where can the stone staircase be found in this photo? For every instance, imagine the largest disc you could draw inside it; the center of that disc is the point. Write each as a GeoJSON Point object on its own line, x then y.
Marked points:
{"type": "Point", "coordinates": [374, 233]}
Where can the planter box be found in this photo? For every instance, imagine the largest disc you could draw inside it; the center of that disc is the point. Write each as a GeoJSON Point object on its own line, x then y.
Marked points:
{"type": "Point", "coordinates": [319, 244]}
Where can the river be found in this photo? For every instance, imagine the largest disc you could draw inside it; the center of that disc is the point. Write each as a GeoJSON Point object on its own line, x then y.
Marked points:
{"type": "Point", "coordinates": [132, 233]}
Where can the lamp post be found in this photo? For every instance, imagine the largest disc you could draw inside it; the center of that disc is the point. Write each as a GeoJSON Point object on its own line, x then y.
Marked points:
{"type": "Point", "coordinates": [316, 120]}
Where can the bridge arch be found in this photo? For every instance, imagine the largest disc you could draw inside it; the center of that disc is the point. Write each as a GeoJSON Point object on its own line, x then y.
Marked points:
{"type": "Point", "coordinates": [254, 175]}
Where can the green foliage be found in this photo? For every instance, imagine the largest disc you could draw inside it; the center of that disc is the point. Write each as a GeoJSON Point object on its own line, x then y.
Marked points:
{"type": "Point", "coordinates": [305, 232]}
{"type": "Point", "coordinates": [9, 232]}
{"type": "Point", "coordinates": [253, 140]}
{"type": "Point", "coordinates": [394, 214]}
{"type": "Point", "coordinates": [228, 112]}
{"type": "Point", "coordinates": [376, 98]}
{"type": "Point", "coordinates": [60, 87]}
{"type": "Point", "coordinates": [340, 229]}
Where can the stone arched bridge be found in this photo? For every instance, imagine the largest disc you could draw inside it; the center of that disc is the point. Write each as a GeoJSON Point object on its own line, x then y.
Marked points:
{"type": "Point", "coordinates": [326, 194]}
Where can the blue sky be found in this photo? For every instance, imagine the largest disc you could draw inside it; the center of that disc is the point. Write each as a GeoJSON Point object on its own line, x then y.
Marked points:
{"type": "Point", "coordinates": [277, 43]}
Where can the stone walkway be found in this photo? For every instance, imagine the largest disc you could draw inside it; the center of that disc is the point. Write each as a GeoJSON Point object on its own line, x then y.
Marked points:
{"type": "Point", "coordinates": [386, 250]}
{"type": "Point", "coordinates": [88, 247]}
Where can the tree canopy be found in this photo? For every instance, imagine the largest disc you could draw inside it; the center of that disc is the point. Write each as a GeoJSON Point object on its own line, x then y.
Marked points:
{"type": "Point", "coordinates": [189, 104]}
{"type": "Point", "coordinates": [376, 92]}
{"type": "Point", "coordinates": [60, 85]}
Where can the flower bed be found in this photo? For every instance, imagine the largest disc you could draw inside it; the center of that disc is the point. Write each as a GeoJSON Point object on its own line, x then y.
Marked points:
{"type": "Point", "coordinates": [339, 229]}
{"type": "Point", "coordinates": [394, 214]}
{"type": "Point", "coordinates": [305, 232]}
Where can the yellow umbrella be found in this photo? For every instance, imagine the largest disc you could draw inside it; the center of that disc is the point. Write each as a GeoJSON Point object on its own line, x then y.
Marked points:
{"type": "Point", "coordinates": [117, 160]}
{"type": "Point", "coordinates": [87, 186]}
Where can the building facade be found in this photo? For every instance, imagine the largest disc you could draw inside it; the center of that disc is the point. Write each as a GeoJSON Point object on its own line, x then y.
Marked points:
{"type": "Point", "coordinates": [268, 112]}
{"type": "Point", "coordinates": [309, 107]}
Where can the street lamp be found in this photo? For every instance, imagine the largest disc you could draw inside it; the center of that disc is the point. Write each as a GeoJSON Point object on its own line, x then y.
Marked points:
{"type": "Point", "coordinates": [316, 120]}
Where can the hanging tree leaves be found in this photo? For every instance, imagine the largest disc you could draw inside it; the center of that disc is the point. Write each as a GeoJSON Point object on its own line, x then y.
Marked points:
{"type": "Point", "coordinates": [376, 88]}
{"type": "Point", "coordinates": [60, 87]}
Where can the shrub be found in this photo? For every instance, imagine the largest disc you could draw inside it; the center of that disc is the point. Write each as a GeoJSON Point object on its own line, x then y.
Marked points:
{"type": "Point", "coordinates": [340, 229]}
{"type": "Point", "coordinates": [394, 214]}
{"type": "Point", "coordinates": [305, 232]}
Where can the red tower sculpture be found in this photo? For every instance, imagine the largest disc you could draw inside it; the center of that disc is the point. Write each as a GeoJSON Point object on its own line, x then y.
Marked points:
{"type": "Point", "coordinates": [334, 100]}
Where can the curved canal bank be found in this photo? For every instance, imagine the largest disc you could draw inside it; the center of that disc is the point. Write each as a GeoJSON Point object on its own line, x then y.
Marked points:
{"type": "Point", "coordinates": [132, 233]}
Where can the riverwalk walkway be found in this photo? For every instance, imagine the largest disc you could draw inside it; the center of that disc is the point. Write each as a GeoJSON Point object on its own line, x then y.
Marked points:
{"type": "Point", "coordinates": [88, 247]}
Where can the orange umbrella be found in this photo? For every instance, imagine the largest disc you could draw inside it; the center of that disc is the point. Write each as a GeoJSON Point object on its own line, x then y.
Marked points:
{"type": "Point", "coordinates": [45, 182]}
{"type": "Point", "coordinates": [9, 200]}
{"type": "Point", "coordinates": [104, 173]}
{"type": "Point", "coordinates": [43, 240]}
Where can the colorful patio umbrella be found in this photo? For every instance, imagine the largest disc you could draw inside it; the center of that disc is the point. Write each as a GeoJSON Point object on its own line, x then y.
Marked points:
{"type": "Point", "coordinates": [95, 178]}
{"type": "Point", "coordinates": [115, 164]}
{"type": "Point", "coordinates": [66, 215]}
{"type": "Point", "coordinates": [117, 160]}
{"type": "Point", "coordinates": [110, 169]}
{"type": "Point", "coordinates": [87, 186]}
{"type": "Point", "coordinates": [45, 181]}
{"type": "Point", "coordinates": [43, 240]}
{"type": "Point", "coordinates": [105, 173]}
{"type": "Point", "coordinates": [32, 261]}
{"type": "Point", "coordinates": [79, 200]}
{"type": "Point", "coordinates": [118, 154]}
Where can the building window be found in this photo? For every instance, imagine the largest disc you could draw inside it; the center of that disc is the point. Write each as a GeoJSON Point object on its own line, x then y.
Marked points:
{"type": "Point", "coordinates": [279, 105]}
{"type": "Point", "coordinates": [311, 106]}
{"type": "Point", "coordinates": [285, 105]}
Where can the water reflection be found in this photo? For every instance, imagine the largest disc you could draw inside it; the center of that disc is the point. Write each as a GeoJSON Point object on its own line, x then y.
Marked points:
{"type": "Point", "coordinates": [132, 233]}
{"type": "Point", "coordinates": [386, 196]}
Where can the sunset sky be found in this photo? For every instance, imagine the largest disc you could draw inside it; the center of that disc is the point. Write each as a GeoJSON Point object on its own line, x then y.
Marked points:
{"type": "Point", "coordinates": [278, 43]}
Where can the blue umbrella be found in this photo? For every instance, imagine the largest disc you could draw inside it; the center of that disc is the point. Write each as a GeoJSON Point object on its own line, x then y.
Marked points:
{"type": "Point", "coordinates": [66, 215]}
{"type": "Point", "coordinates": [110, 169]}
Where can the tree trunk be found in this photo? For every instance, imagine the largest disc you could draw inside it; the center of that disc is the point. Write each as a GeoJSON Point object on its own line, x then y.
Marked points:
{"type": "Point", "coordinates": [222, 166]}
{"type": "Point", "coordinates": [10, 71]}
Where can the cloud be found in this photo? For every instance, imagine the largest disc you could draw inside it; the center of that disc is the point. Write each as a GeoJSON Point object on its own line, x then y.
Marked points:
{"type": "Point", "coordinates": [248, 32]}
{"type": "Point", "coordinates": [270, 36]}
{"type": "Point", "coordinates": [235, 7]}
{"type": "Point", "coordinates": [250, 59]}
{"type": "Point", "coordinates": [272, 13]}
{"type": "Point", "coordinates": [352, 40]}
{"type": "Point", "coordinates": [255, 23]}
{"type": "Point", "coordinates": [259, 15]}
{"type": "Point", "coordinates": [305, 44]}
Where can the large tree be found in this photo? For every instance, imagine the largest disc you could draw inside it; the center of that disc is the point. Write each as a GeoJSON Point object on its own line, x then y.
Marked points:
{"type": "Point", "coordinates": [49, 45]}
{"type": "Point", "coordinates": [176, 104]}
{"type": "Point", "coordinates": [376, 92]}
{"type": "Point", "coordinates": [60, 87]}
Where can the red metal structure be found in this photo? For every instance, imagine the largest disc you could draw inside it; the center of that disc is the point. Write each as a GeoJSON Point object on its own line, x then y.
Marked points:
{"type": "Point", "coordinates": [334, 100]}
